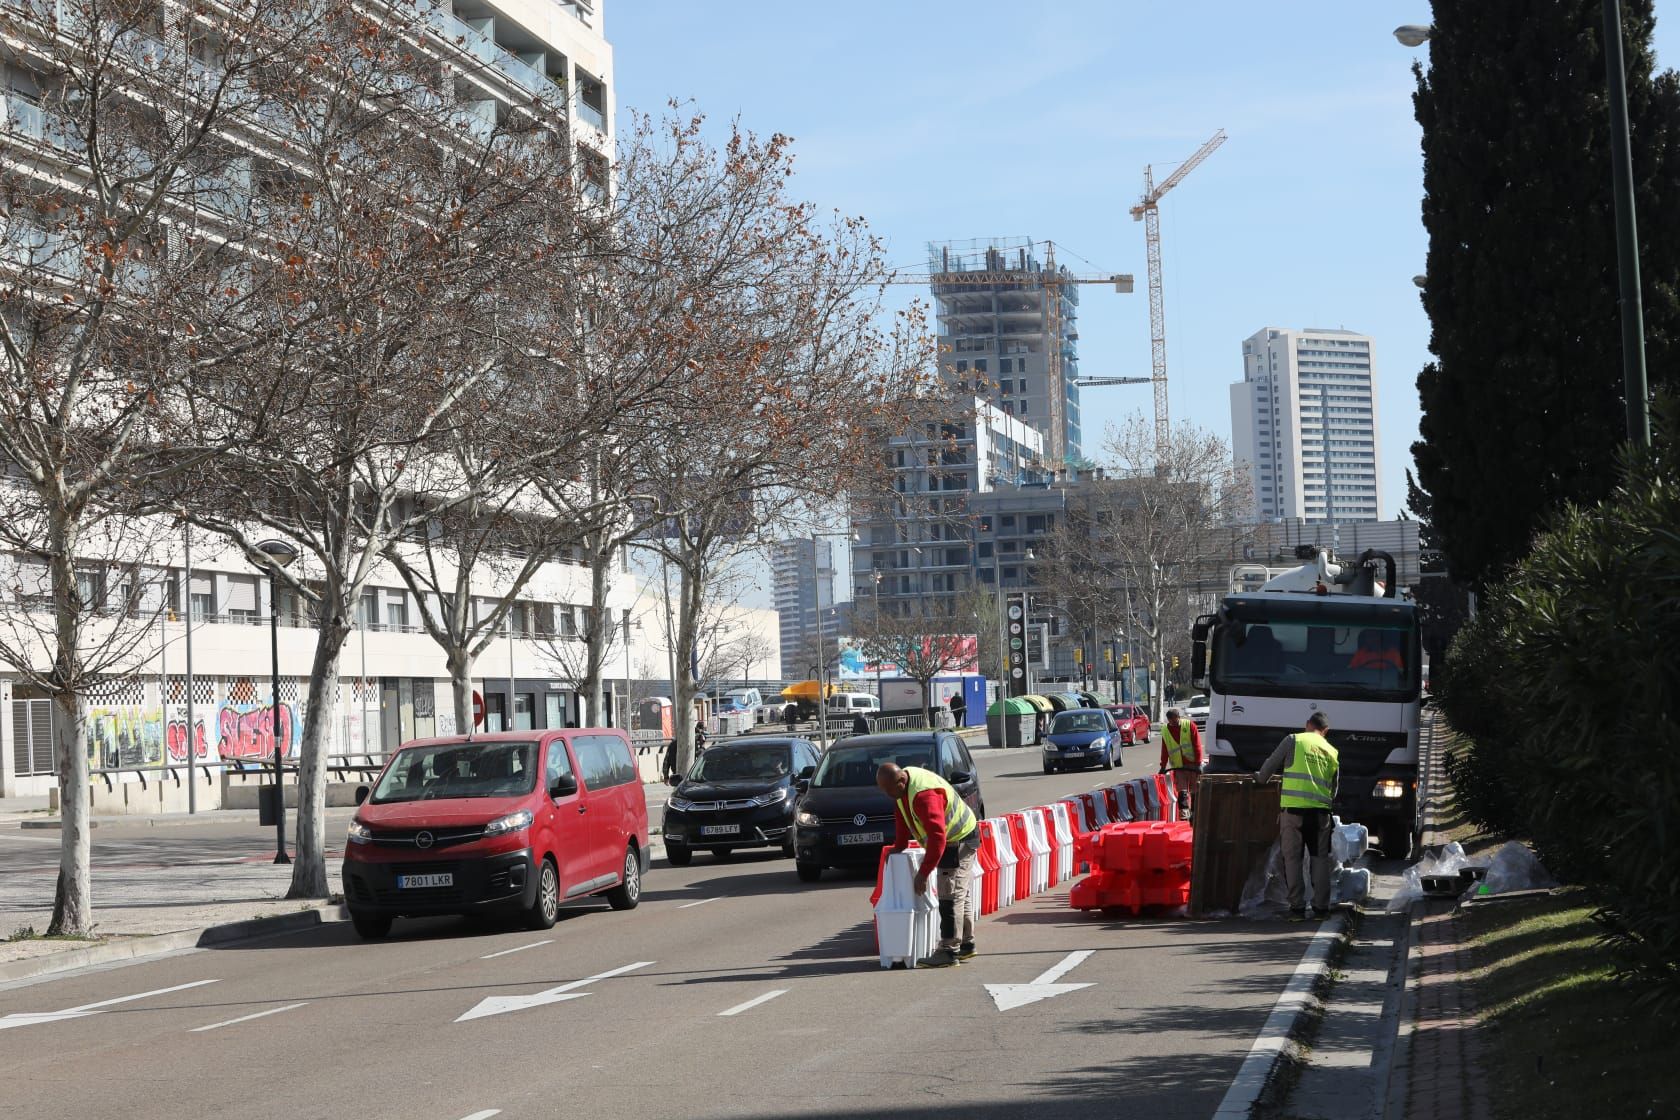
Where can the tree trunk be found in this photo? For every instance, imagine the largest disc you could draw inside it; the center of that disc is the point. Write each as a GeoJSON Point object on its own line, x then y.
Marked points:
{"type": "Point", "coordinates": [598, 638]}
{"type": "Point", "coordinates": [685, 686]}
{"type": "Point", "coordinates": [73, 901]}
{"type": "Point", "coordinates": [309, 865]}
{"type": "Point", "coordinates": [460, 663]}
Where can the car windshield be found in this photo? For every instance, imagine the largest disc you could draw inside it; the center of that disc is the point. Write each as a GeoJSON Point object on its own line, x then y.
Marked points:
{"type": "Point", "coordinates": [459, 770]}
{"type": "Point", "coordinates": [856, 766]}
{"type": "Point", "coordinates": [736, 765]}
{"type": "Point", "coordinates": [1198, 702]}
{"type": "Point", "coordinates": [1070, 722]}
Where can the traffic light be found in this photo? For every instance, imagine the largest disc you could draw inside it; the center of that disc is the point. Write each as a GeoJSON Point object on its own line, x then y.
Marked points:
{"type": "Point", "coordinates": [1125, 661]}
{"type": "Point", "coordinates": [1175, 662]}
{"type": "Point", "coordinates": [1108, 653]}
{"type": "Point", "coordinates": [1079, 655]}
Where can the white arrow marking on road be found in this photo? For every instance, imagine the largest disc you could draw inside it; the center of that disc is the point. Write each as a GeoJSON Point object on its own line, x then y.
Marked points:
{"type": "Point", "coordinates": [497, 1005]}
{"type": "Point", "coordinates": [1010, 996]}
{"type": "Point", "coordinates": [31, 1018]}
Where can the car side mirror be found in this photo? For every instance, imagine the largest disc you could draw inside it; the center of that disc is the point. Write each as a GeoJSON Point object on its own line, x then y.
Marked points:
{"type": "Point", "coordinates": [961, 777]}
{"type": "Point", "coordinates": [801, 785]}
{"type": "Point", "coordinates": [563, 786]}
{"type": "Point", "coordinates": [807, 774]}
{"type": "Point", "coordinates": [361, 794]}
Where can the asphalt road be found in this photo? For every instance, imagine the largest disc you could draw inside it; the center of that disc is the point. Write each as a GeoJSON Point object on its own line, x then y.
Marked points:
{"type": "Point", "coordinates": [732, 991]}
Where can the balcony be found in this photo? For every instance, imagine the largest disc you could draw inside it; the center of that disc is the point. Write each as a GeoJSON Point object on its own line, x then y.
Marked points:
{"type": "Point", "coordinates": [482, 47]}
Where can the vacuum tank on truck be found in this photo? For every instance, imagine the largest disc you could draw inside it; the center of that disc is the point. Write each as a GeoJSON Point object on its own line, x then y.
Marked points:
{"type": "Point", "coordinates": [1327, 636]}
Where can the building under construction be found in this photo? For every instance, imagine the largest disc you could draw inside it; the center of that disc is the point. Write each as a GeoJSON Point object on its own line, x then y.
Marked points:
{"type": "Point", "coordinates": [1008, 333]}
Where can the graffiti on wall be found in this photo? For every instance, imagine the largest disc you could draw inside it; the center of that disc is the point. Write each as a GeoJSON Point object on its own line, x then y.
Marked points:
{"type": "Point", "coordinates": [175, 738]}
{"type": "Point", "coordinates": [246, 731]}
{"type": "Point", "coordinates": [124, 736]}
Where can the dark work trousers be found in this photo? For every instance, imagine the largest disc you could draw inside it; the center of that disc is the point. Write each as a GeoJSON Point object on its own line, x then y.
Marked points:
{"type": "Point", "coordinates": [956, 869]}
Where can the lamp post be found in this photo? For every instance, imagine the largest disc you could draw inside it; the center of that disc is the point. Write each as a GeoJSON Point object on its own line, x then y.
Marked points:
{"type": "Point", "coordinates": [279, 555]}
{"type": "Point", "coordinates": [1634, 386]}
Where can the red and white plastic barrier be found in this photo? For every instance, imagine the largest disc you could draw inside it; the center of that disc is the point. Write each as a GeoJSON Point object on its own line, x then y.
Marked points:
{"type": "Point", "coordinates": [1061, 820]}
{"type": "Point", "coordinates": [1038, 843]}
{"type": "Point", "coordinates": [1006, 861]}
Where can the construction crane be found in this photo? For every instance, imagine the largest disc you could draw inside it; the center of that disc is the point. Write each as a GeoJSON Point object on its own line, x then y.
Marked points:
{"type": "Point", "coordinates": [1051, 280]}
{"type": "Point", "coordinates": [1148, 211]}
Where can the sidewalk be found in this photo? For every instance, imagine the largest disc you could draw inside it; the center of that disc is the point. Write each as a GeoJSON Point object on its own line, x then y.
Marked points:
{"type": "Point", "coordinates": [1440, 1072]}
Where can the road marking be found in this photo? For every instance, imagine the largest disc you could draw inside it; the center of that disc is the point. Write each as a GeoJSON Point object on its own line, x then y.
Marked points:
{"type": "Point", "coordinates": [752, 1003]}
{"type": "Point", "coordinates": [517, 949]}
{"type": "Point", "coordinates": [1044, 986]}
{"type": "Point", "coordinates": [702, 902]}
{"type": "Point", "coordinates": [32, 1018]}
{"type": "Point", "coordinates": [485, 1115]}
{"type": "Point", "coordinates": [248, 1018]}
{"type": "Point", "coordinates": [497, 1005]}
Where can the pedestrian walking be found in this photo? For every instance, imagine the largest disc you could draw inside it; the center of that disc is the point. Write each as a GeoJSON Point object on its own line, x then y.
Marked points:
{"type": "Point", "coordinates": [959, 709]}
{"type": "Point", "coordinates": [1311, 770]}
{"type": "Point", "coordinates": [927, 809]}
{"type": "Point", "coordinates": [860, 724]}
{"type": "Point", "coordinates": [699, 737]}
{"type": "Point", "coordinates": [1181, 752]}
{"type": "Point", "coordinates": [790, 713]}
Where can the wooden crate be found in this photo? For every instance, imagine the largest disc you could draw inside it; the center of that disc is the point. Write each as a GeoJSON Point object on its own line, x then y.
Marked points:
{"type": "Point", "coordinates": [1236, 822]}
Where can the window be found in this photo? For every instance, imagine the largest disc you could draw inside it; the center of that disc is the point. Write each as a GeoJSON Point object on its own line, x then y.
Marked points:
{"type": "Point", "coordinates": [559, 765]}
{"type": "Point", "coordinates": [1006, 365]}
{"type": "Point", "coordinates": [604, 760]}
{"type": "Point", "coordinates": [396, 613]}
{"type": "Point", "coordinates": [242, 598]}
{"type": "Point", "coordinates": [980, 365]}
{"type": "Point", "coordinates": [962, 365]}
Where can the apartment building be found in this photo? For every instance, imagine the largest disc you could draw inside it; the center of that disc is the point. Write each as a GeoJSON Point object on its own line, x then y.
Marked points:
{"type": "Point", "coordinates": [1010, 337]}
{"type": "Point", "coordinates": [1303, 425]}
{"type": "Point", "coordinates": [495, 58]}
{"type": "Point", "coordinates": [802, 579]}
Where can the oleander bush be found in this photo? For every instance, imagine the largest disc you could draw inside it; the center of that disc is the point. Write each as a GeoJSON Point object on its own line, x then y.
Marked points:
{"type": "Point", "coordinates": [1565, 691]}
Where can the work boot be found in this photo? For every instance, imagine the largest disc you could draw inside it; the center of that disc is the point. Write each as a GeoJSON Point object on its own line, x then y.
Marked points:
{"type": "Point", "coordinates": [965, 951]}
{"type": "Point", "coordinates": [1297, 914]}
{"type": "Point", "coordinates": [939, 958]}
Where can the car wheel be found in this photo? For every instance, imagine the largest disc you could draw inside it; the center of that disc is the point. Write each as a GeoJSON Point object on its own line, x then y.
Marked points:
{"type": "Point", "coordinates": [723, 855]}
{"type": "Point", "coordinates": [1108, 758]}
{"type": "Point", "coordinates": [629, 889]}
{"type": "Point", "coordinates": [370, 927]}
{"type": "Point", "coordinates": [808, 872]}
{"type": "Point", "coordinates": [787, 845]}
{"type": "Point", "coordinates": [678, 855]}
{"type": "Point", "coordinates": [1049, 769]}
{"type": "Point", "coordinates": [545, 909]}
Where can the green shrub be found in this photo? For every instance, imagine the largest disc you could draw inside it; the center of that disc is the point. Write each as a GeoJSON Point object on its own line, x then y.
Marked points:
{"type": "Point", "coordinates": [1567, 691]}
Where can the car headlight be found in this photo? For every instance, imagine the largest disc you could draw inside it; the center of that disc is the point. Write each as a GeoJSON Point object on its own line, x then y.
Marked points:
{"type": "Point", "coordinates": [807, 818]}
{"type": "Point", "coordinates": [1391, 787]}
{"type": "Point", "coordinates": [1099, 742]}
{"type": "Point", "coordinates": [771, 798]}
{"type": "Point", "coordinates": [359, 833]}
{"type": "Point", "coordinates": [680, 804]}
{"type": "Point", "coordinates": [513, 822]}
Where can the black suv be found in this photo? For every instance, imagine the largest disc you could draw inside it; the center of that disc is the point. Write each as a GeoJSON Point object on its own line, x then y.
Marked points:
{"type": "Point", "coordinates": [738, 794]}
{"type": "Point", "coordinates": [844, 819]}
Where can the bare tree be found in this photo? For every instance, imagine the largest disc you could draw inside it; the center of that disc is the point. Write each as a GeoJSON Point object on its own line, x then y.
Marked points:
{"type": "Point", "coordinates": [1156, 528]}
{"type": "Point", "coordinates": [925, 641]}
{"type": "Point", "coordinates": [121, 230]}
{"type": "Point", "coordinates": [418, 245]}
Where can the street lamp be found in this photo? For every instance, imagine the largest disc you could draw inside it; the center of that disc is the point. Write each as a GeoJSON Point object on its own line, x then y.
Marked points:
{"type": "Point", "coordinates": [1634, 385]}
{"type": "Point", "coordinates": [822, 651]}
{"type": "Point", "coordinates": [277, 555]}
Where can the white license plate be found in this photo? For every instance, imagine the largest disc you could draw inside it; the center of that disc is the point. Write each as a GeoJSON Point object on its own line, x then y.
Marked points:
{"type": "Point", "coordinates": [861, 838]}
{"type": "Point", "coordinates": [720, 830]}
{"type": "Point", "coordinates": [415, 882]}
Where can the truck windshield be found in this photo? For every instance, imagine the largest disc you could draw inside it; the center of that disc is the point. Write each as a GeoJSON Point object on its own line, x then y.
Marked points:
{"type": "Point", "coordinates": [1286, 657]}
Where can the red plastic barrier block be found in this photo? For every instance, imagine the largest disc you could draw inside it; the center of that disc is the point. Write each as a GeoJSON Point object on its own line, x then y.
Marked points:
{"type": "Point", "coordinates": [1023, 856]}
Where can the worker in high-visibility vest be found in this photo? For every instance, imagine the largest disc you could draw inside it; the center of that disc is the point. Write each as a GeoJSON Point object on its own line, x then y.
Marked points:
{"type": "Point", "coordinates": [1311, 770]}
{"type": "Point", "coordinates": [928, 809]}
{"type": "Point", "coordinates": [1181, 752]}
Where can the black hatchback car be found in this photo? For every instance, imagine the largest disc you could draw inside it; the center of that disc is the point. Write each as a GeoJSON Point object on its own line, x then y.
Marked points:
{"type": "Point", "coordinates": [738, 794]}
{"type": "Point", "coordinates": [843, 819]}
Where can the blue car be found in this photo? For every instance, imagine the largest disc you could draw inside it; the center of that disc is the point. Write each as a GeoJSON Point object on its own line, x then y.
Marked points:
{"type": "Point", "coordinates": [1082, 736]}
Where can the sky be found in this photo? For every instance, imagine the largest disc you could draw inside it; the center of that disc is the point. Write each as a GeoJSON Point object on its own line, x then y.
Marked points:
{"type": "Point", "coordinates": [937, 120]}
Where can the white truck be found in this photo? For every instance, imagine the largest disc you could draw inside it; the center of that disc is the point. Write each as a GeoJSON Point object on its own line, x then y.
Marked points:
{"type": "Point", "coordinates": [1326, 636]}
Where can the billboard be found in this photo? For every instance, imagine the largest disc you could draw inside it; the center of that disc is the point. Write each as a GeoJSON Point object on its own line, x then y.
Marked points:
{"type": "Point", "coordinates": [955, 653]}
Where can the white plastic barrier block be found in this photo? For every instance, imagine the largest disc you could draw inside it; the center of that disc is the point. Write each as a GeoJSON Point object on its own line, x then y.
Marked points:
{"type": "Point", "coordinates": [1038, 847]}
{"type": "Point", "coordinates": [1348, 842]}
{"type": "Point", "coordinates": [1120, 799]}
{"type": "Point", "coordinates": [1099, 802]}
{"type": "Point", "coordinates": [1350, 884]}
{"type": "Point", "coordinates": [1006, 862]}
{"type": "Point", "coordinates": [906, 922]}
{"type": "Point", "coordinates": [1151, 796]}
{"type": "Point", "coordinates": [1061, 817]}
{"type": "Point", "coordinates": [975, 878]}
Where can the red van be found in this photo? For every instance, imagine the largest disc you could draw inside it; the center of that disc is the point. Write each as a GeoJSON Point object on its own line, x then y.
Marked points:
{"type": "Point", "coordinates": [512, 822]}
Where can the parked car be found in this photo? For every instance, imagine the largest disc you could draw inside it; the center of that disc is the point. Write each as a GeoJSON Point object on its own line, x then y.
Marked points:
{"type": "Point", "coordinates": [511, 822]}
{"type": "Point", "coordinates": [1081, 736]}
{"type": "Point", "coordinates": [843, 818]}
{"type": "Point", "coordinates": [1132, 721]}
{"type": "Point", "coordinates": [739, 794]}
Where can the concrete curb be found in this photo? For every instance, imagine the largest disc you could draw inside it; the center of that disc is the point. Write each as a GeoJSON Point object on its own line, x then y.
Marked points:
{"type": "Point", "coordinates": [169, 820]}
{"type": "Point", "coordinates": [1293, 1005]}
{"type": "Point", "coordinates": [139, 948]}
{"type": "Point", "coordinates": [1398, 1088]}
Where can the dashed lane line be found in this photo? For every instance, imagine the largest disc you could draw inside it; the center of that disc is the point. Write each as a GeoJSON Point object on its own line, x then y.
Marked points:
{"type": "Point", "coordinates": [248, 1018]}
{"type": "Point", "coordinates": [33, 1018]}
{"type": "Point", "coordinates": [485, 1115]}
{"type": "Point", "coordinates": [517, 949]}
{"type": "Point", "coordinates": [702, 902]}
{"type": "Point", "coordinates": [754, 1002]}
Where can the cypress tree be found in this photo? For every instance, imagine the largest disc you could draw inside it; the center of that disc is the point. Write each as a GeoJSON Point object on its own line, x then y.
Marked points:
{"type": "Point", "coordinates": [1523, 407]}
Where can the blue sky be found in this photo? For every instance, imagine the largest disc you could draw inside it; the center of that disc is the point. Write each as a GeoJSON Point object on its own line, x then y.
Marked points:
{"type": "Point", "coordinates": [938, 120]}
